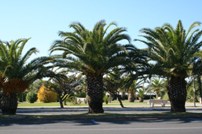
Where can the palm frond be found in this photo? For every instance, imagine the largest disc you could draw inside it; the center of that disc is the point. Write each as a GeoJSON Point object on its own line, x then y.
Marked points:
{"type": "Point", "coordinates": [91, 51]}
{"type": "Point", "coordinates": [172, 48]}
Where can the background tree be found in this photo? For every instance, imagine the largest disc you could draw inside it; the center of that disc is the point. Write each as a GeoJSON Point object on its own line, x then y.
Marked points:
{"type": "Point", "coordinates": [31, 97]}
{"type": "Point", "coordinates": [132, 89]}
{"type": "Point", "coordinates": [137, 70]}
{"type": "Point", "coordinates": [172, 50]}
{"type": "Point", "coordinates": [197, 71]}
{"type": "Point", "coordinates": [93, 53]}
{"type": "Point", "coordinates": [192, 91]}
{"type": "Point", "coordinates": [16, 73]}
{"type": "Point", "coordinates": [113, 83]}
{"type": "Point", "coordinates": [31, 92]}
{"type": "Point", "coordinates": [141, 93]}
{"type": "Point", "coordinates": [46, 94]}
{"type": "Point", "coordinates": [64, 85]}
{"type": "Point", "coordinates": [158, 86]}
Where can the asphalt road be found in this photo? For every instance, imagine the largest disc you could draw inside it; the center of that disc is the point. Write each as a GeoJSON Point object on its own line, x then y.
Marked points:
{"type": "Point", "coordinates": [91, 126]}
{"type": "Point", "coordinates": [23, 125]}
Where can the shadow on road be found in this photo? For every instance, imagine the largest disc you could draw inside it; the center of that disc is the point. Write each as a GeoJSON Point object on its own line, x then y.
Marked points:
{"type": "Point", "coordinates": [78, 116]}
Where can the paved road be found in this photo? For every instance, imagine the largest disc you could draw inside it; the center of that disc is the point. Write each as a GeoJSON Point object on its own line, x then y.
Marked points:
{"type": "Point", "coordinates": [90, 126]}
{"type": "Point", "coordinates": [99, 126]}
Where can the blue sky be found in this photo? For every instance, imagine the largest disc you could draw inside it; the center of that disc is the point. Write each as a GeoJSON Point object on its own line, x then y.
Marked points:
{"type": "Point", "coordinates": [42, 19]}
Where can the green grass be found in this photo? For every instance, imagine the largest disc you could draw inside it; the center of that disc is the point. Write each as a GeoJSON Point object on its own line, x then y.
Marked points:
{"type": "Point", "coordinates": [56, 104]}
{"type": "Point", "coordinates": [128, 104]}
{"type": "Point", "coordinates": [40, 104]}
{"type": "Point", "coordinates": [37, 104]}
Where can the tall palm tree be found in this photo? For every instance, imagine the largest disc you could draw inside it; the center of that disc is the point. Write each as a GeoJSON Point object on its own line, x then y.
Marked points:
{"type": "Point", "coordinates": [172, 50]}
{"type": "Point", "coordinates": [93, 53]}
{"type": "Point", "coordinates": [16, 74]}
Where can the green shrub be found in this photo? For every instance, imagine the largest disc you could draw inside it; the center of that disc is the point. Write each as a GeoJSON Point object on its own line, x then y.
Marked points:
{"type": "Point", "coordinates": [106, 99]}
{"type": "Point", "coordinates": [22, 96]}
{"type": "Point", "coordinates": [165, 97]}
{"type": "Point", "coordinates": [80, 94]}
{"type": "Point", "coordinates": [31, 97]}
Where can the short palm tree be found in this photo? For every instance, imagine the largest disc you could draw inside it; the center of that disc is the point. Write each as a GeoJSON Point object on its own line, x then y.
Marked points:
{"type": "Point", "coordinates": [172, 50]}
{"type": "Point", "coordinates": [114, 82]}
{"type": "Point", "coordinates": [137, 70]}
{"type": "Point", "coordinates": [64, 85]}
{"type": "Point", "coordinates": [93, 53]}
{"type": "Point", "coordinates": [158, 87]}
{"type": "Point", "coordinates": [15, 73]}
{"type": "Point", "coordinates": [132, 90]}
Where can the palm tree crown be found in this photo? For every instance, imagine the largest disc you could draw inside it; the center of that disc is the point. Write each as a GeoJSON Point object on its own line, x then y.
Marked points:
{"type": "Point", "coordinates": [173, 49]}
{"type": "Point", "coordinates": [92, 52]}
{"type": "Point", "coordinates": [16, 73]}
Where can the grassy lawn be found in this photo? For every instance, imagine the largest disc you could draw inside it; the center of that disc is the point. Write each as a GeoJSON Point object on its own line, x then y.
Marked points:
{"type": "Point", "coordinates": [127, 104]}
{"type": "Point", "coordinates": [37, 104]}
{"type": "Point", "coordinates": [56, 104]}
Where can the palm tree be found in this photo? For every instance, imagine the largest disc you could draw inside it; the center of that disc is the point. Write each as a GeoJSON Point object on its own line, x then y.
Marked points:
{"type": "Point", "coordinates": [197, 71]}
{"type": "Point", "coordinates": [137, 70]}
{"type": "Point", "coordinates": [132, 90]}
{"type": "Point", "coordinates": [16, 74]}
{"type": "Point", "coordinates": [114, 82]}
{"type": "Point", "coordinates": [93, 53]}
{"type": "Point", "coordinates": [172, 50]}
{"type": "Point", "coordinates": [64, 85]}
{"type": "Point", "coordinates": [158, 86]}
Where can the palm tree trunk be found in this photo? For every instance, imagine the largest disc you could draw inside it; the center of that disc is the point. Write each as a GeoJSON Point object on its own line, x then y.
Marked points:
{"type": "Point", "coordinates": [61, 101]}
{"type": "Point", "coordinates": [131, 95]}
{"type": "Point", "coordinates": [177, 93]}
{"type": "Point", "coordinates": [95, 93]}
{"type": "Point", "coordinates": [199, 87]}
{"type": "Point", "coordinates": [9, 103]}
{"type": "Point", "coordinates": [120, 102]}
{"type": "Point", "coordinates": [116, 95]}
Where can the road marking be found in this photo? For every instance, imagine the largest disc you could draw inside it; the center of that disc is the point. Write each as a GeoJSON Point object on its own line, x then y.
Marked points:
{"type": "Point", "coordinates": [149, 128]}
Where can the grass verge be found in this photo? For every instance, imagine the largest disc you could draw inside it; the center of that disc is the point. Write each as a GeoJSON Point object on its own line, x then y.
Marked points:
{"type": "Point", "coordinates": [56, 104]}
